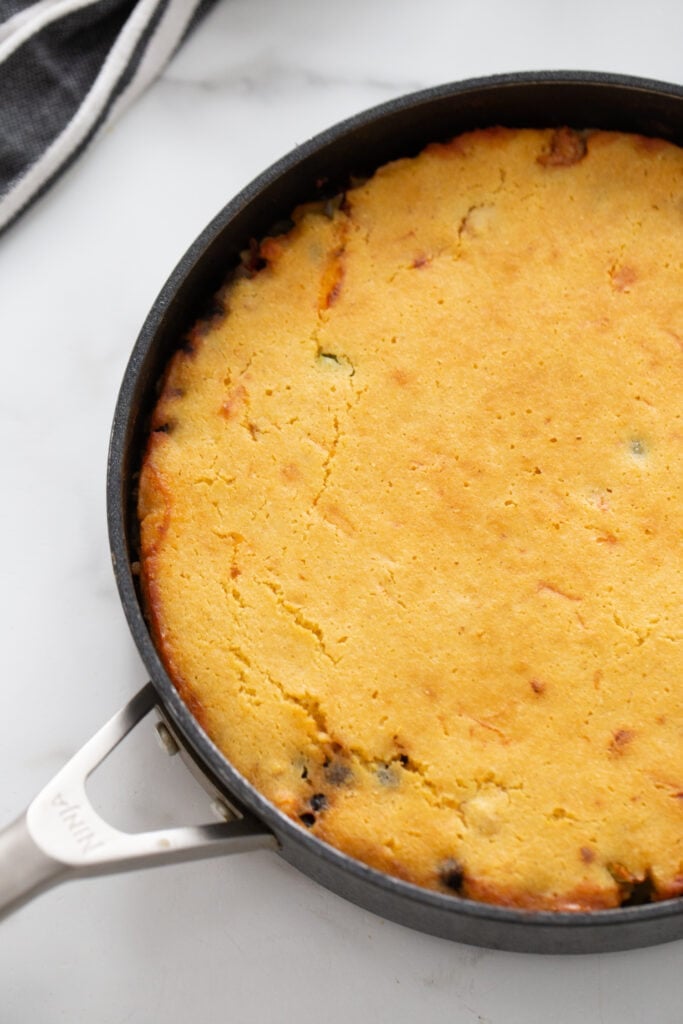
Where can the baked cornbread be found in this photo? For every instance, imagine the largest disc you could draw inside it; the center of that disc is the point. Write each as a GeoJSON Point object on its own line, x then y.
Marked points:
{"type": "Point", "coordinates": [410, 523]}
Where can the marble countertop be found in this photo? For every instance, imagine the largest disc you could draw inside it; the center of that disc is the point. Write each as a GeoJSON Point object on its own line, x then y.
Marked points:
{"type": "Point", "coordinates": [244, 938]}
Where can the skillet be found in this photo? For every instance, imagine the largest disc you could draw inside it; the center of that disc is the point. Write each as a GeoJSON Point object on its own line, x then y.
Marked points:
{"type": "Point", "coordinates": [60, 835]}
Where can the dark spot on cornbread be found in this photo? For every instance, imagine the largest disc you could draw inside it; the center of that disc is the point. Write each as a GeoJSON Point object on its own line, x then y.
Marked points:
{"type": "Point", "coordinates": [634, 889]}
{"type": "Point", "coordinates": [304, 772]}
{"type": "Point", "coordinates": [587, 855]}
{"type": "Point", "coordinates": [318, 802]}
{"type": "Point", "coordinates": [422, 260]}
{"type": "Point", "coordinates": [307, 819]}
{"type": "Point", "coordinates": [620, 740]}
{"type": "Point", "coordinates": [337, 772]}
{"type": "Point", "coordinates": [333, 294]}
{"type": "Point", "coordinates": [537, 686]}
{"type": "Point", "coordinates": [641, 892]}
{"type": "Point", "coordinates": [567, 147]}
{"type": "Point", "coordinates": [214, 310]}
{"type": "Point", "coordinates": [401, 377]}
{"type": "Point", "coordinates": [163, 428]}
{"type": "Point", "coordinates": [235, 571]}
{"type": "Point", "coordinates": [622, 278]}
{"type": "Point", "coordinates": [404, 759]}
{"type": "Point", "coordinates": [452, 875]}
{"type": "Point", "coordinates": [252, 259]}
{"type": "Point", "coordinates": [637, 448]}
{"type": "Point", "coordinates": [386, 776]}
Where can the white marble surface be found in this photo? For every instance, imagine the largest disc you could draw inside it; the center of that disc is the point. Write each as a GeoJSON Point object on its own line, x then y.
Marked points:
{"type": "Point", "coordinates": [244, 938]}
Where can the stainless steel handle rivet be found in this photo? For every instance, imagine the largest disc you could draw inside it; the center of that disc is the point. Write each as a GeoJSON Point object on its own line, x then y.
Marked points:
{"type": "Point", "coordinates": [166, 739]}
{"type": "Point", "coordinates": [222, 811]}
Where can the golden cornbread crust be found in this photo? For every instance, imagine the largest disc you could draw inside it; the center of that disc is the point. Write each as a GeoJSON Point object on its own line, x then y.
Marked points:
{"type": "Point", "coordinates": [411, 525]}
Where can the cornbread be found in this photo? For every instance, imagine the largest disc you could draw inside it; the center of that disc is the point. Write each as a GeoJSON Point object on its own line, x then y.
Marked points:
{"type": "Point", "coordinates": [410, 523]}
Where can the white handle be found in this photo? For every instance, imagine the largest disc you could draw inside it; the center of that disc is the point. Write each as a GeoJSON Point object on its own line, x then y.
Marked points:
{"type": "Point", "coordinates": [61, 835]}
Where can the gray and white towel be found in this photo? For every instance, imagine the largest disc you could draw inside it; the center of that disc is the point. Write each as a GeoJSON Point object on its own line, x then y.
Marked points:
{"type": "Point", "coordinates": [67, 68]}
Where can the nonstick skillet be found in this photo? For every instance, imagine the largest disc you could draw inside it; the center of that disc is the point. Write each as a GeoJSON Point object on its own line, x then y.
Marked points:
{"type": "Point", "coordinates": [60, 835]}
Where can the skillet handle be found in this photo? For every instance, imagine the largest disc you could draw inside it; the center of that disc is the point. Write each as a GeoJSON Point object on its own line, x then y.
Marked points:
{"type": "Point", "coordinates": [61, 836]}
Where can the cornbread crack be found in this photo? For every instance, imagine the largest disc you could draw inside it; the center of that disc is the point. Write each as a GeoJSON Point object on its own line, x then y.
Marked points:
{"type": "Point", "coordinates": [299, 617]}
{"type": "Point", "coordinates": [327, 464]}
{"type": "Point", "coordinates": [411, 524]}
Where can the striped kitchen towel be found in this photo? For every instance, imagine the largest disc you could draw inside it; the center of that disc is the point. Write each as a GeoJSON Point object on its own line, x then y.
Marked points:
{"type": "Point", "coordinates": [67, 68]}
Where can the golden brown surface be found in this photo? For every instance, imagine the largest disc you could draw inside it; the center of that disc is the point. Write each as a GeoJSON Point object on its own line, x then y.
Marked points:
{"type": "Point", "coordinates": [411, 524]}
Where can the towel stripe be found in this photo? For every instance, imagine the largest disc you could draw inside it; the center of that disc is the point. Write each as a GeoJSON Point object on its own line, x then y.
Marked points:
{"type": "Point", "coordinates": [73, 106]}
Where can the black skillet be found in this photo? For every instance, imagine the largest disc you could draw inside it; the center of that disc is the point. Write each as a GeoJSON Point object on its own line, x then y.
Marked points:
{"type": "Point", "coordinates": [61, 835]}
